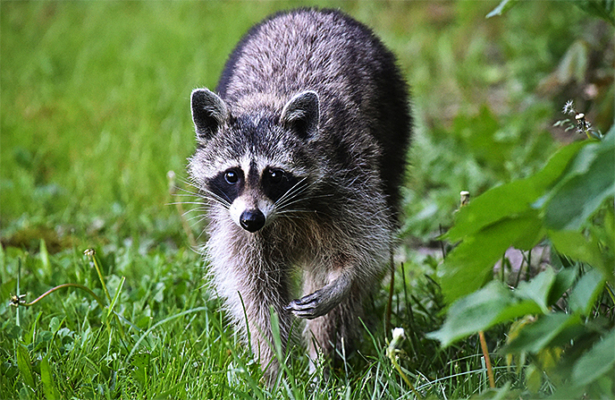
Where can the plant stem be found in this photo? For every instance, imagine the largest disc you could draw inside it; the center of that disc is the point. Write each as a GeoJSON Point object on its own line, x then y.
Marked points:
{"type": "Point", "coordinates": [17, 321]}
{"type": "Point", "coordinates": [387, 323]}
{"type": "Point", "coordinates": [483, 345]}
{"type": "Point", "coordinates": [391, 352]}
{"type": "Point", "coordinates": [65, 285]}
{"type": "Point", "coordinates": [94, 262]}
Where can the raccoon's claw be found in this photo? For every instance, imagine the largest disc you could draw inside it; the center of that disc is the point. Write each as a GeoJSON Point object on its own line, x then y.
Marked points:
{"type": "Point", "coordinates": [310, 306]}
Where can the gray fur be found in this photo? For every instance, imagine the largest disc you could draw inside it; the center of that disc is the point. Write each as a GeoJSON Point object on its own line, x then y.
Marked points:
{"type": "Point", "coordinates": [310, 129]}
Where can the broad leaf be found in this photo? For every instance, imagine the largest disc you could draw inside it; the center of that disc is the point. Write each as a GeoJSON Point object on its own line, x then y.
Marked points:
{"type": "Point", "coordinates": [481, 310]}
{"type": "Point", "coordinates": [596, 362]}
{"type": "Point", "coordinates": [584, 187]}
{"type": "Point", "coordinates": [25, 365]}
{"type": "Point", "coordinates": [470, 264]}
{"type": "Point", "coordinates": [586, 291]}
{"type": "Point", "coordinates": [543, 333]}
{"type": "Point", "coordinates": [511, 199]}
{"type": "Point", "coordinates": [47, 379]}
{"type": "Point", "coordinates": [564, 280]}
{"type": "Point", "coordinates": [538, 289]}
{"type": "Point", "coordinates": [576, 246]}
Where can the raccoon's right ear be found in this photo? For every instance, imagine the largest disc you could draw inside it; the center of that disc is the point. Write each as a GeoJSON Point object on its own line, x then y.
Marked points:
{"type": "Point", "coordinates": [208, 112]}
{"type": "Point", "coordinates": [301, 114]}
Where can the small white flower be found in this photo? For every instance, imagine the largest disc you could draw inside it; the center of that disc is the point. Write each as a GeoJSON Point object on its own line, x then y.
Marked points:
{"type": "Point", "coordinates": [397, 333]}
{"type": "Point", "coordinates": [398, 337]}
{"type": "Point", "coordinates": [568, 107]}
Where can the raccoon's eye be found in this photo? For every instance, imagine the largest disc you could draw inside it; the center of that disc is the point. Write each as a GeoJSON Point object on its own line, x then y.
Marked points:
{"type": "Point", "coordinates": [275, 175]}
{"type": "Point", "coordinates": [231, 177]}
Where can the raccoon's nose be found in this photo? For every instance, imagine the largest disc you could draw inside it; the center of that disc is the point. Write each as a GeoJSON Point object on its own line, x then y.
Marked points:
{"type": "Point", "coordinates": [252, 220]}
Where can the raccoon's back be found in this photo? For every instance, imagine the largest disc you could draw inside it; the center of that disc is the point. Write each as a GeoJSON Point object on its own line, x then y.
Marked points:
{"type": "Point", "coordinates": [363, 98]}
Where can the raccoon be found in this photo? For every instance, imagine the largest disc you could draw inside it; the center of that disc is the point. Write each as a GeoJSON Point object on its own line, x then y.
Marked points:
{"type": "Point", "coordinates": [300, 156]}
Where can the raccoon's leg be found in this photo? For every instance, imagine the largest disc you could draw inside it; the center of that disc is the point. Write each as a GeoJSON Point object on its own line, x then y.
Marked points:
{"type": "Point", "coordinates": [335, 329]}
{"type": "Point", "coordinates": [261, 337]}
{"type": "Point", "coordinates": [251, 287]}
{"type": "Point", "coordinates": [259, 295]}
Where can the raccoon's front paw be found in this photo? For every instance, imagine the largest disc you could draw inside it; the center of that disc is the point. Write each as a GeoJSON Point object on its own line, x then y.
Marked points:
{"type": "Point", "coordinates": [312, 306]}
{"type": "Point", "coordinates": [322, 301]}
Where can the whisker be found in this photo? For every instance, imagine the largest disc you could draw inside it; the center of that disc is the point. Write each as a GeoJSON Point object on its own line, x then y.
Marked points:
{"type": "Point", "coordinates": [184, 202]}
{"type": "Point", "coordinates": [292, 194]}
{"type": "Point", "coordinates": [200, 210]}
{"type": "Point", "coordinates": [292, 191]}
{"type": "Point", "coordinates": [209, 195]}
{"type": "Point", "coordinates": [194, 219]}
{"type": "Point", "coordinates": [294, 214]}
{"type": "Point", "coordinates": [296, 200]}
{"type": "Point", "coordinates": [202, 193]}
{"type": "Point", "coordinates": [189, 194]}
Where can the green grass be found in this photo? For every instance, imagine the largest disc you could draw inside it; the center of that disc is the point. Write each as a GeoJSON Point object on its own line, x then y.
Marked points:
{"type": "Point", "coordinates": [177, 344]}
{"type": "Point", "coordinates": [95, 112]}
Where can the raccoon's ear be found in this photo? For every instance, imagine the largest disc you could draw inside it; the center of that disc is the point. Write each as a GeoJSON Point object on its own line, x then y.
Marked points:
{"type": "Point", "coordinates": [208, 112]}
{"type": "Point", "coordinates": [301, 114]}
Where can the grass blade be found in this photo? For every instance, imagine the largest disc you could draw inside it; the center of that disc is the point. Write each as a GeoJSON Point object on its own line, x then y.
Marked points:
{"type": "Point", "coordinates": [25, 365]}
{"type": "Point", "coordinates": [47, 379]}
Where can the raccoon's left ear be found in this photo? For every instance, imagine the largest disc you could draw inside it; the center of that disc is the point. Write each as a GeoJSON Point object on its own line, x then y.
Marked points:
{"type": "Point", "coordinates": [301, 114]}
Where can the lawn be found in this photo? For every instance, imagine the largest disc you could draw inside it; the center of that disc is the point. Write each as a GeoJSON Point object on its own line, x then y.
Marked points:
{"type": "Point", "coordinates": [94, 114]}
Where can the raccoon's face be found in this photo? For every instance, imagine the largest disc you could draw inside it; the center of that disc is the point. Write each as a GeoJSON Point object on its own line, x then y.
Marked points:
{"type": "Point", "coordinates": [256, 166]}
{"type": "Point", "coordinates": [254, 194]}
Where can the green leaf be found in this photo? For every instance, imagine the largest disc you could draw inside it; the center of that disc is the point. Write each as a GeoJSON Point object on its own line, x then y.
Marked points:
{"type": "Point", "coordinates": [574, 63]}
{"type": "Point", "coordinates": [170, 393]}
{"type": "Point", "coordinates": [511, 199]}
{"type": "Point", "coordinates": [586, 291]}
{"type": "Point", "coordinates": [116, 296]}
{"type": "Point", "coordinates": [584, 187]}
{"type": "Point", "coordinates": [576, 246]}
{"type": "Point", "coordinates": [481, 310]}
{"type": "Point", "coordinates": [25, 365]}
{"type": "Point", "coordinates": [596, 362]}
{"type": "Point", "coordinates": [499, 393]}
{"type": "Point", "coordinates": [275, 331]}
{"type": "Point", "coordinates": [564, 280]}
{"type": "Point", "coordinates": [543, 332]}
{"type": "Point", "coordinates": [47, 379]}
{"type": "Point", "coordinates": [478, 135]}
{"type": "Point", "coordinates": [501, 8]}
{"type": "Point", "coordinates": [44, 255]}
{"type": "Point", "coordinates": [604, 9]}
{"type": "Point", "coordinates": [471, 263]}
{"type": "Point", "coordinates": [140, 362]}
{"type": "Point", "coordinates": [538, 289]}
{"type": "Point", "coordinates": [533, 378]}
